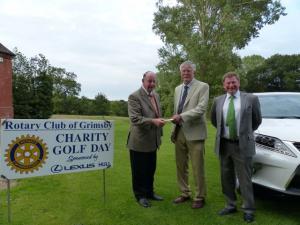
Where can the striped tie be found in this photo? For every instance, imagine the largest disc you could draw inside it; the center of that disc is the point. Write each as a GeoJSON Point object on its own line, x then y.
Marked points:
{"type": "Point", "coordinates": [180, 107]}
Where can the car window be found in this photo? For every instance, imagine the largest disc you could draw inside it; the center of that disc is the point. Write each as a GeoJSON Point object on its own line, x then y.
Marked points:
{"type": "Point", "coordinates": [280, 106]}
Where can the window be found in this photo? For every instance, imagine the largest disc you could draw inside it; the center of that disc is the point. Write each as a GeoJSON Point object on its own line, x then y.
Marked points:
{"type": "Point", "coordinates": [280, 105]}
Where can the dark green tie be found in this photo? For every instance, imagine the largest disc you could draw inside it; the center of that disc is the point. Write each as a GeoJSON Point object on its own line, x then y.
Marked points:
{"type": "Point", "coordinates": [230, 120]}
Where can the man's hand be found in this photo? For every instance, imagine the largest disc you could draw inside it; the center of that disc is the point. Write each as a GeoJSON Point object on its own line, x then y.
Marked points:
{"type": "Point", "coordinates": [177, 119]}
{"type": "Point", "coordinates": [159, 122]}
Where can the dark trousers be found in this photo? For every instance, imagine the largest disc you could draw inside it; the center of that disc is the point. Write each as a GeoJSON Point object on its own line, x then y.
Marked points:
{"type": "Point", "coordinates": [143, 165]}
{"type": "Point", "coordinates": [234, 164]}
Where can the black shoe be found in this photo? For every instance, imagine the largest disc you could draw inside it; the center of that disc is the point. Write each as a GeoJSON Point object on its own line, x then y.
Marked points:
{"type": "Point", "coordinates": [249, 217]}
{"type": "Point", "coordinates": [156, 197]}
{"type": "Point", "coordinates": [227, 211]}
{"type": "Point", "coordinates": [144, 202]}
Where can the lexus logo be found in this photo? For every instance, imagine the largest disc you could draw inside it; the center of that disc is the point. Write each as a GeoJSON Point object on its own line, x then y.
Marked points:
{"type": "Point", "coordinates": [56, 168]}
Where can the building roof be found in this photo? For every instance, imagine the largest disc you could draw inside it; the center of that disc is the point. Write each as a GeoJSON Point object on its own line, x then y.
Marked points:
{"type": "Point", "coordinates": [5, 50]}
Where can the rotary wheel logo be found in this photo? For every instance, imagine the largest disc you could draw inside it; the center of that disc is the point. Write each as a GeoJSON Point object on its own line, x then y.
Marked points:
{"type": "Point", "coordinates": [26, 154]}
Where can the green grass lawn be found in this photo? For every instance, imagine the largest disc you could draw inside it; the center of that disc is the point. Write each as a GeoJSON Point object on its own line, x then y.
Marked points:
{"type": "Point", "coordinates": [77, 199]}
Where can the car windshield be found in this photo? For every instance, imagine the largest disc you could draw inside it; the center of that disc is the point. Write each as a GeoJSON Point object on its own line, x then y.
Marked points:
{"type": "Point", "coordinates": [280, 106]}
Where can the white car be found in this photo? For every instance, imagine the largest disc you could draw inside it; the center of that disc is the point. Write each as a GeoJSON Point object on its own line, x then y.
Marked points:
{"type": "Point", "coordinates": [277, 160]}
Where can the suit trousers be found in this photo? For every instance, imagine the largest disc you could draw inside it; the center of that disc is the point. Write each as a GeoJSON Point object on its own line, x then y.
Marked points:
{"type": "Point", "coordinates": [234, 165]}
{"type": "Point", "coordinates": [143, 166]}
{"type": "Point", "coordinates": [194, 150]}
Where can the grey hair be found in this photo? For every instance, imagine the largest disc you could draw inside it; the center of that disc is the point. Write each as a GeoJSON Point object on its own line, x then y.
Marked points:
{"type": "Point", "coordinates": [189, 63]}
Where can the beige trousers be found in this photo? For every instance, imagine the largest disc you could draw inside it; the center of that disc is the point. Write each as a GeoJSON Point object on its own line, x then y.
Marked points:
{"type": "Point", "coordinates": [194, 150]}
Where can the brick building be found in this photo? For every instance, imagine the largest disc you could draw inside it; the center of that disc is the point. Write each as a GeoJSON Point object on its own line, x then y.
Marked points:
{"type": "Point", "coordinates": [6, 98]}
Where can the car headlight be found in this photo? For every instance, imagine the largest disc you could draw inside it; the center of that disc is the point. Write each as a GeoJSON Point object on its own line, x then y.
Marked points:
{"type": "Point", "coordinates": [273, 144]}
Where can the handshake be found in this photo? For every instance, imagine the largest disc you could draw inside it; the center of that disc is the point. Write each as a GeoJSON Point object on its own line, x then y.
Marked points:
{"type": "Point", "coordinates": [160, 122]}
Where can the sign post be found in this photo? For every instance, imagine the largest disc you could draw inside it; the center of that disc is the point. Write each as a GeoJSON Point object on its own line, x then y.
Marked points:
{"type": "Point", "coordinates": [104, 191]}
{"type": "Point", "coordinates": [8, 202]}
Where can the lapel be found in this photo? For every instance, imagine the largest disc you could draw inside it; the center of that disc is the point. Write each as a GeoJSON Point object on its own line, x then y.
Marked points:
{"type": "Point", "coordinates": [157, 103]}
{"type": "Point", "coordinates": [243, 103]}
{"type": "Point", "coordinates": [220, 108]}
{"type": "Point", "coordinates": [190, 93]}
{"type": "Point", "coordinates": [177, 96]}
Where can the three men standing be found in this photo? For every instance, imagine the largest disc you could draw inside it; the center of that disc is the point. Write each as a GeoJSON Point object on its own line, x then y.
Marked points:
{"type": "Point", "coordinates": [236, 115]}
{"type": "Point", "coordinates": [189, 134]}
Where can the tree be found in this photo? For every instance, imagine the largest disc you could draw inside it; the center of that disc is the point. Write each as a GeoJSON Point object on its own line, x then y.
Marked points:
{"type": "Point", "coordinates": [42, 88]}
{"type": "Point", "coordinates": [22, 86]}
{"type": "Point", "coordinates": [207, 32]}
{"type": "Point", "coordinates": [119, 108]}
{"type": "Point", "coordinates": [37, 85]}
{"type": "Point", "coordinates": [277, 73]}
{"type": "Point", "coordinates": [65, 89]}
{"type": "Point", "coordinates": [85, 106]}
{"type": "Point", "coordinates": [43, 106]}
{"type": "Point", "coordinates": [32, 87]}
{"type": "Point", "coordinates": [249, 63]}
{"type": "Point", "coordinates": [101, 105]}
{"type": "Point", "coordinates": [168, 77]}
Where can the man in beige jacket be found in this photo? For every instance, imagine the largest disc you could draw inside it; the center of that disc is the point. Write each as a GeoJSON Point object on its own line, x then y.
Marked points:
{"type": "Point", "coordinates": [190, 104]}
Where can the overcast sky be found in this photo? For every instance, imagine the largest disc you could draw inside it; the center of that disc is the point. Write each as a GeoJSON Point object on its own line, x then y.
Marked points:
{"type": "Point", "coordinates": [110, 44]}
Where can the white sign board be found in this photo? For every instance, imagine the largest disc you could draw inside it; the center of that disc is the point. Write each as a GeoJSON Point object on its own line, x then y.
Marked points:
{"type": "Point", "coordinates": [45, 147]}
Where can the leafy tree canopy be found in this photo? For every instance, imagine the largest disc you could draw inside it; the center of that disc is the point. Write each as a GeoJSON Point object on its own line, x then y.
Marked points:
{"type": "Point", "coordinates": [249, 63]}
{"type": "Point", "coordinates": [207, 32]}
{"type": "Point", "coordinates": [40, 89]}
{"type": "Point", "coordinates": [277, 73]}
{"type": "Point", "coordinates": [32, 87]}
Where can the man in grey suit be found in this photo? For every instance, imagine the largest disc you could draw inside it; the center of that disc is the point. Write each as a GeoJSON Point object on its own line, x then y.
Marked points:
{"type": "Point", "coordinates": [144, 138]}
{"type": "Point", "coordinates": [190, 104]}
{"type": "Point", "coordinates": [236, 115]}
